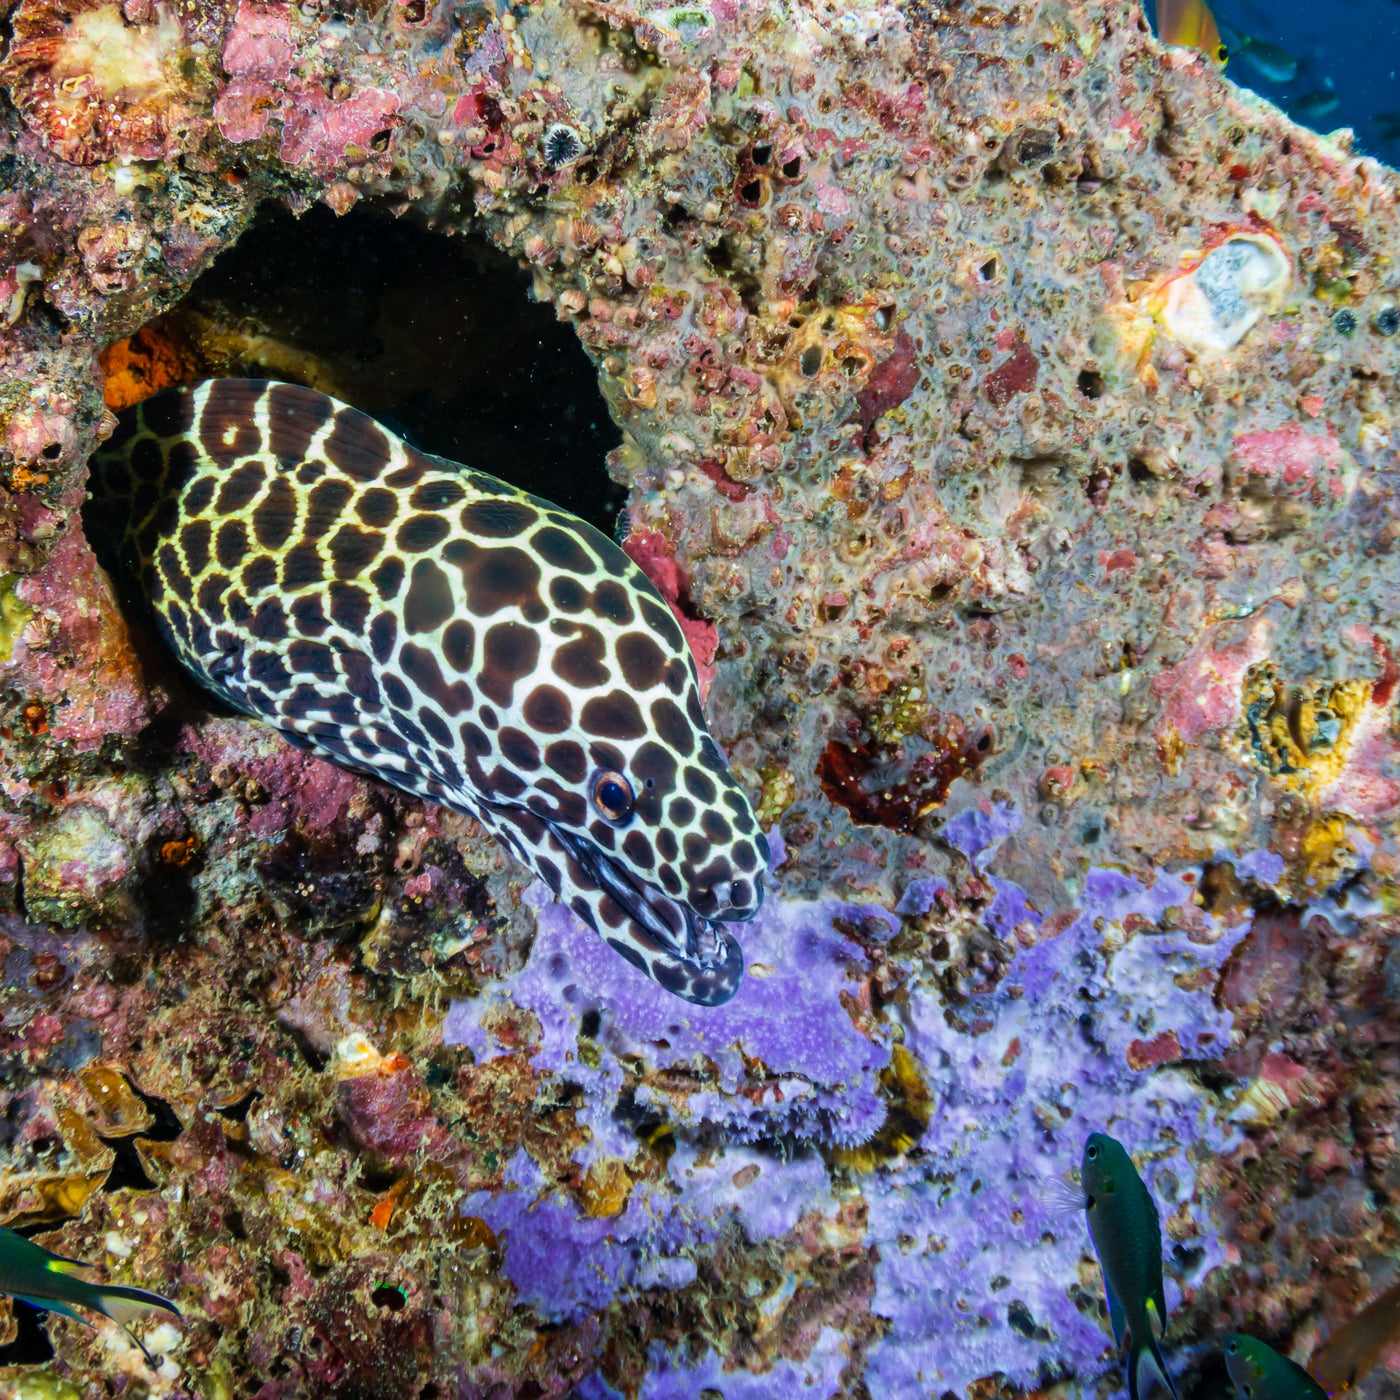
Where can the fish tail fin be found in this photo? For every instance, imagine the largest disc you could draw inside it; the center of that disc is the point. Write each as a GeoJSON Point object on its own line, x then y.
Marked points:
{"type": "Point", "coordinates": [1147, 1369]}
{"type": "Point", "coordinates": [127, 1306]}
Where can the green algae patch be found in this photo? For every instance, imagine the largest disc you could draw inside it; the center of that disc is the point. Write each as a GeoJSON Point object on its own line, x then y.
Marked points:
{"type": "Point", "coordinates": [45, 1386]}
{"type": "Point", "coordinates": [14, 613]}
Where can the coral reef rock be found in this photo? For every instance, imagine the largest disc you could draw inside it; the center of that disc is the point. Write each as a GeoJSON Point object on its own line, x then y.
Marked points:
{"type": "Point", "coordinates": [1007, 409]}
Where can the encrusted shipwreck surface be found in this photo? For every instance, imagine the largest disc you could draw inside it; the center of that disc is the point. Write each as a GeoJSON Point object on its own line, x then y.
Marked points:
{"type": "Point", "coordinates": [1008, 405]}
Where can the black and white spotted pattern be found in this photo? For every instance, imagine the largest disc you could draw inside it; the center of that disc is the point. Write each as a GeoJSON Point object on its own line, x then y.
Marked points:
{"type": "Point", "coordinates": [430, 625]}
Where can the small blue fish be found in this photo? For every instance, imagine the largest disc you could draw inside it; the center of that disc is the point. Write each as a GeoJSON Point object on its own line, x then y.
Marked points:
{"type": "Point", "coordinates": [1313, 106]}
{"type": "Point", "coordinates": [42, 1279]}
{"type": "Point", "coordinates": [1127, 1238]}
{"type": "Point", "coordinates": [1260, 1373]}
{"type": "Point", "coordinates": [1270, 61]}
{"type": "Point", "coordinates": [1387, 126]}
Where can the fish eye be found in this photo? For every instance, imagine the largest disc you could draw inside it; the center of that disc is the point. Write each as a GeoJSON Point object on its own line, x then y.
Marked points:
{"type": "Point", "coordinates": [611, 795]}
{"type": "Point", "coordinates": [1232, 1348]}
{"type": "Point", "coordinates": [1092, 1154]}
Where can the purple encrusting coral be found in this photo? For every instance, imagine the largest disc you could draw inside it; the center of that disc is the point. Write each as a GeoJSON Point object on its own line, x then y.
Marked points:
{"type": "Point", "coordinates": [979, 1265]}
{"type": "Point", "coordinates": [816, 1378]}
{"type": "Point", "coordinates": [820, 1070]}
{"type": "Point", "coordinates": [565, 1265]}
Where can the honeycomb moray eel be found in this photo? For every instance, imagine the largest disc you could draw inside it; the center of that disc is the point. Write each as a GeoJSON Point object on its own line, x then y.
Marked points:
{"type": "Point", "coordinates": [438, 629]}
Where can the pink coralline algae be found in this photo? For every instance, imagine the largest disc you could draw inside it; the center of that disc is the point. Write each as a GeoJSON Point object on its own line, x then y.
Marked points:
{"type": "Point", "coordinates": [1012, 377]}
{"type": "Point", "coordinates": [318, 126]}
{"type": "Point", "coordinates": [650, 552]}
{"type": "Point", "coordinates": [1294, 456]}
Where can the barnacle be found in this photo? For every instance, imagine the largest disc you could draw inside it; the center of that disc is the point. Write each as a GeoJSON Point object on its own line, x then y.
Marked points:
{"type": "Point", "coordinates": [562, 145]}
{"type": "Point", "coordinates": [1210, 308]}
{"type": "Point", "coordinates": [907, 1119]}
{"type": "Point", "coordinates": [691, 22]}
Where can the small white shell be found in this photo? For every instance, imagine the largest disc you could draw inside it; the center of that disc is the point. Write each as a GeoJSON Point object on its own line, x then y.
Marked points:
{"type": "Point", "coordinates": [1210, 309]}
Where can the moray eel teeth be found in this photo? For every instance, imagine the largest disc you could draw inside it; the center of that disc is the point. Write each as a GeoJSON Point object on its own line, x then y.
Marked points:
{"type": "Point", "coordinates": [438, 629]}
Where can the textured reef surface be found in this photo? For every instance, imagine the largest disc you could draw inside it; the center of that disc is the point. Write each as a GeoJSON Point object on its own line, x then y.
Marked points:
{"type": "Point", "coordinates": [1007, 408]}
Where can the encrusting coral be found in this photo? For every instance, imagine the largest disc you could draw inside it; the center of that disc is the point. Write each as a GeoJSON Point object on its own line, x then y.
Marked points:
{"type": "Point", "coordinates": [1007, 414]}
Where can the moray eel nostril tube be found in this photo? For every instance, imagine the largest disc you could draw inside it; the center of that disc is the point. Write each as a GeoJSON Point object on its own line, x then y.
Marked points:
{"type": "Point", "coordinates": [447, 633]}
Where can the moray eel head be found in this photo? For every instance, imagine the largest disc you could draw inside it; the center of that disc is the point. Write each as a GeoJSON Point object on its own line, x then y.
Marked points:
{"type": "Point", "coordinates": [436, 628]}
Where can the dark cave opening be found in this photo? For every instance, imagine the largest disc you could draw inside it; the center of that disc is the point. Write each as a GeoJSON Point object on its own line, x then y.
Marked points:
{"type": "Point", "coordinates": [436, 337]}
{"type": "Point", "coordinates": [31, 1345]}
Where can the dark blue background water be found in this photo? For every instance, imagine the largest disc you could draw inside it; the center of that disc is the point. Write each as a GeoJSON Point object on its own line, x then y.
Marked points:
{"type": "Point", "coordinates": [1353, 45]}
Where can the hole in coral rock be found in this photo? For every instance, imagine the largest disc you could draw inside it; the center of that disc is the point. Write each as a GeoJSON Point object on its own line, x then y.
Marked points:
{"type": "Point", "coordinates": [52, 452]}
{"type": "Point", "coordinates": [314, 1059]}
{"type": "Point", "coordinates": [127, 1173]}
{"type": "Point", "coordinates": [591, 1024]}
{"type": "Point", "coordinates": [31, 1345]}
{"type": "Point", "coordinates": [1097, 486]}
{"type": "Point", "coordinates": [762, 153]}
{"type": "Point", "coordinates": [435, 336]}
{"type": "Point", "coordinates": [377, 1179]}
{"type": "Point", "coordinates": [165, 1125]}
{"type": "Point", "coordinates": [1090, 383]}
{"type": "Point", "coordinates": [811, 360]}
{"type": "Point", "coordinates": [989, 270]}
{"type": "Point", "coordinates": [238, 1112]}
{"type": "Point", "coordinates": [389, 1295]}
{"type": "Point", "coordinates": [792, 168]}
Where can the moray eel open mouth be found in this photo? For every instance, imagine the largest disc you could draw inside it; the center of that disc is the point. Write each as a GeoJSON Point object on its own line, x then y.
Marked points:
{"type": "Point", "coordinates": [678, 930]}
{"type": "Point", "coordinates": [444, 632]}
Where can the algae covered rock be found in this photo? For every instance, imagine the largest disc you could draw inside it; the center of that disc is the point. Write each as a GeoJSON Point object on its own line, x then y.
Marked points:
{"type": "Point", "coordinates": [1006, 410]}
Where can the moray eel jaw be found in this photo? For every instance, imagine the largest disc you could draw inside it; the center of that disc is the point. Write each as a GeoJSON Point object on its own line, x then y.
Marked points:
{"type": "Point", "coordinates": [444, 632]}
{"type": "Point", "coordinates": [694, 957]}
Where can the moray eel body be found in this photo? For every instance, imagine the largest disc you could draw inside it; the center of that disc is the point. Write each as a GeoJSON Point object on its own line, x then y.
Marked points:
{"type": "Point", "coordinates": [441, 630]}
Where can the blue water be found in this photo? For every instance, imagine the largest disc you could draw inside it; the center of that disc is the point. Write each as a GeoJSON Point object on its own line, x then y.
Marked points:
{"type": "Point", "coordinates": [1347, 47]}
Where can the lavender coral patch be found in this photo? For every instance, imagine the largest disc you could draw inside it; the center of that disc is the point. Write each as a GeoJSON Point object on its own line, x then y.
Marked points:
{"type": "Point", "coordinates": [565, 1264]}
{"type": "Point", "coordinates": [977, 832]}
{"type": "Point", "coordinates": [768, 1196]}
{"type": "Point", "coordinates": [977, 1269]}
{"type": "Point", "coordinates": [821, 1071]}
{"type": "Point", "coordinates": [562, 1263]}
{"type": "Point", "coordinates": [816, 1378]}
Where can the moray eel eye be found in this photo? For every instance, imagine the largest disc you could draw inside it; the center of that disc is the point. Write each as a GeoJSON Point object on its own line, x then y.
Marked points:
{"type": "Point", "coordinates": [611, 795]}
